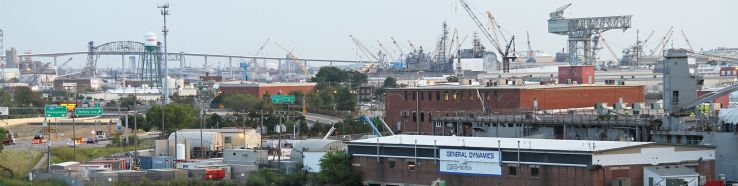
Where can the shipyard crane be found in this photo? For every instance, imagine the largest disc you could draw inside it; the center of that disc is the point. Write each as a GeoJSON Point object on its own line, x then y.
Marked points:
{"type": "Point", "coordinates": [411, 45]}
{"type": "Point", "coordinates": [367, 52]}
{"type": "Point", "coordinates": [494, 27]}
{"type": "Point", "coordinates": [531, 54]}
{"type": "Point", "coordinates": [643, 44]}
{"type": "Point", "coordinates": [34, 79]}
{"type": "Point", "coordinates": [402, 51]}
{"type": "Point", "coordinates": [581, 30]}
{"type": "Point", "coordinates": [502, 53]}
{"type": "Point", "coordinates": [687, 40]}
{"type": "Point", "coordinates": [607, 45]}
{"type": "Point", "coordinates": [258, 52]}
{"type": "Point", "coordinates": [387, 52]}
{"type": "Point", "coordinates": [294, 59]}
{"type": "Point", "coordinates": [662, 43]}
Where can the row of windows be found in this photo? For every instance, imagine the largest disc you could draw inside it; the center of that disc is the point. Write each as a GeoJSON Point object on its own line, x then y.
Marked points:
{"type": "Point", "coordinates": [422, 116]}
{"type": "Point", "coordinates": [448, 95]}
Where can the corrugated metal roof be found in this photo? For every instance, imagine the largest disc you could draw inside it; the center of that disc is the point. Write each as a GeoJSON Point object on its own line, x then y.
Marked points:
{"type": "Point", "coordinates": [506, 143]}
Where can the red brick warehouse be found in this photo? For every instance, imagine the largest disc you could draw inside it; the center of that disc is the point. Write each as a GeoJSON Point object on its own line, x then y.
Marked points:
{"type": "Point", "coordinates": [411, 110]}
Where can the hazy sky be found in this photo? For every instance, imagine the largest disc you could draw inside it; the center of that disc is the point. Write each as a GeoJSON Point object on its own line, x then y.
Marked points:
{"type": "Point", "coordinates": [320, 28]}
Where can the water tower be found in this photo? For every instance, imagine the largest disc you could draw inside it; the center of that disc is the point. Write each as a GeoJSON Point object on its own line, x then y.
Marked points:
{"type": "Point", "coordinates": [150, 68]}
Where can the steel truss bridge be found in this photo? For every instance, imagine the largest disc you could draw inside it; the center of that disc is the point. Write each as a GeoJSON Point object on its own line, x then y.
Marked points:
{"type": "Point", "coordinates": [134, 48]}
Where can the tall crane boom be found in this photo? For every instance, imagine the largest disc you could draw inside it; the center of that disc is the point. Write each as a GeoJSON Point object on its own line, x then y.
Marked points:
{"type": "Point", "coordinates": [503, 54]}
{"type": "Point", "coordinates": [392, 56]}
{"type": "Point", "coordinates": [531, 54]}
{"type": "Point", "coordinates": [687, 40]}
{"type": "Point", "coordinates": [402, 52]}
{"type": "Point", "coordinates": [294, 59]}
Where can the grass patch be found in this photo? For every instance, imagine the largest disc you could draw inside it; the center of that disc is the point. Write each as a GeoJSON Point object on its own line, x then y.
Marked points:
{"type": "Point", "coordinates": [19, 162]}
{"type": "Point", "coordinates": [64, 154]}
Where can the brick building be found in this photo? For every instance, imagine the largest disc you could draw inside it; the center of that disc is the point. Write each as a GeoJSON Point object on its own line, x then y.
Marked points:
{"type": "Point", "coordinates": [420, 159]}
{"type": "Point", "coordinates": [411, 110]}
{"type": "Point", "coordinates": [578, 74]}
{"type": "Point", "coordinates": [258, 89]}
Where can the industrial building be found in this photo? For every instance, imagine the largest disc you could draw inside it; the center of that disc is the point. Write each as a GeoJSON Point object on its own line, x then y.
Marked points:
{"type": "Point", "coordinates": [258, 89]}
{"type": "Point", "coordinates": [421, 159]}
{"type": "Point", "coordinates": [412, 110]}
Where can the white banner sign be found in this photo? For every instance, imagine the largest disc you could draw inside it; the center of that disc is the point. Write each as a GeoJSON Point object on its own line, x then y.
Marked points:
{"type": "Point", "coordinates": [474, 162]}
{"type": "Point", "coordinates": [4, 111]}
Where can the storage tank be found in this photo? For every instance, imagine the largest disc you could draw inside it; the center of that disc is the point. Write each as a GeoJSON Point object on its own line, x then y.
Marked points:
{"type": "Point", "coordinates": [150, 39]}
{"type": "Point", "coordinates": [210, 140]}
{"type": "Point", "coordinates": [180, 151]}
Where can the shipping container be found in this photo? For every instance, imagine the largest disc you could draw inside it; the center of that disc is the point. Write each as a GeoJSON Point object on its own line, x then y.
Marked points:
{"type": "Point", "coordinates": [156, 162]}
{"type": "Point", "coordinates": [214, 174]}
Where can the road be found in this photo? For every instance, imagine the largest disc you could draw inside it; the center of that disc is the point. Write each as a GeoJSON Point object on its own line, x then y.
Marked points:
{"type": "Point", "coordinates": [25, 144]}
{"type": "Point", "coordinates": [319, 118]}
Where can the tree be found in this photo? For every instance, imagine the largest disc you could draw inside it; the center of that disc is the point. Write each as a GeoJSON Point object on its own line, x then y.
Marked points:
{"type": "Point", "coordinates": [335, 169]}
{"type": "Point", "coordinates": [345, 100]}
{"type": "Point", "coordinates": [452, 79]}
{"type": "Point", "coordinates": [244, 102]}
{"type": "Point", "coordinates": [129, 101]}
{"type": "Point", "coordinates": [26, 97]}
{"type": "Point", "coordinates": [389, 82]}
{"type": "Point", "coordinates": [176, 116]}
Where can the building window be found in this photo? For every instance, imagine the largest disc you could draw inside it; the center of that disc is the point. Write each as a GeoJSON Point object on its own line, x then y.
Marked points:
{"type": "Point", "coordinates": [415, 116]}
{"type": "Point", "coordinates": [227, 139]}
{"type": "Point", "coordinates": [415, 98]}
{"type": "Point", "coordinates": [438, 96]}
{"type": "Point", "coordinates": [421, 96]}
{"type": "Point", "coordinates": [438, 124]}
{"type": "Point", "coordinates": [405, 97]}
{"type": "Point", "coordinates": [445, 96]}
{"type": "Point", "coordinates": [411, 165]}
{"type": "Point", "coordinates": [512, 170]}
{"type": "Point", "coordinates": [461, 95]}
{"type": "Point", "coordinates": [650, 181]}
{"type": "Point", "coordinates": [675, 96]}
{"type": "Point", "coordinates": [534, 171]}
{"type": "Point", "coordinates": [422, 116]}
{"type": "Point", "coordinates": [430, 96]}
{"type": "Point", "coordinates": [471, 96]}
{"type": "Point", "coordinates": [487, 96]}
{"type": "Point", "coordinates": [430, 116]}
{"type": "Point", "coordinates": [456, 95]}
{"type": "Point", "coordinates": [391, 163]}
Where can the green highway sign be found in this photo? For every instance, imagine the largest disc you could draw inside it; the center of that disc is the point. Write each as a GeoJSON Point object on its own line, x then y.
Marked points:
{"type": "Point", "coordinates": [55, 111]}
{"type": "Point", "coordinates": [283, 99]}
{"type": "Point", "coordinates": [88, 111]}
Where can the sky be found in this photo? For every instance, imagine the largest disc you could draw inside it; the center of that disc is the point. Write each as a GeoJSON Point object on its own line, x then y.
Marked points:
{"type": "Point", "coordinates": [319, 29]}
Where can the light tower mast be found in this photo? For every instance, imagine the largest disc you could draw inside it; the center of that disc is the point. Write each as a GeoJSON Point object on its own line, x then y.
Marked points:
{"type": "Point", "coordinates": [165, 89]}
